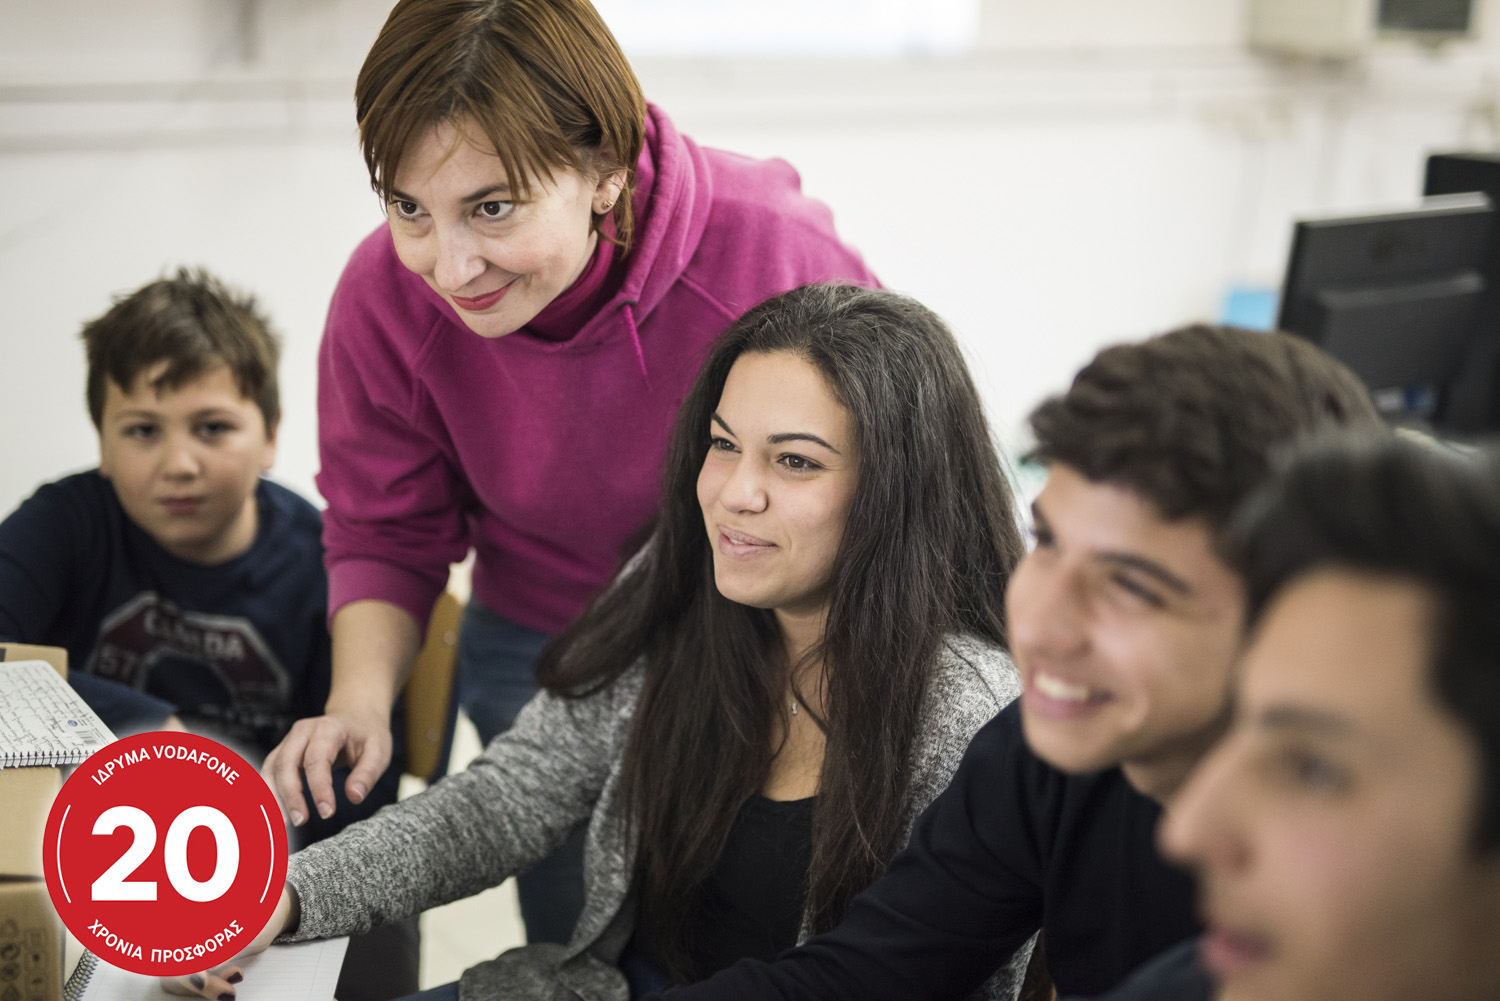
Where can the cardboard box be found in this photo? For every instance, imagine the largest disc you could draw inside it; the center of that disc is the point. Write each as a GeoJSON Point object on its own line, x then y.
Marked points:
{"type": "Point", "coordinates": [31, 936]}
{"type": "Point", "coordinates": [54, 655]}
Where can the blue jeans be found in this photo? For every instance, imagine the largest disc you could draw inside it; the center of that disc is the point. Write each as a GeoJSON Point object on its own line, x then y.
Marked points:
{"type": "Point", "coordinates": [496, 677]}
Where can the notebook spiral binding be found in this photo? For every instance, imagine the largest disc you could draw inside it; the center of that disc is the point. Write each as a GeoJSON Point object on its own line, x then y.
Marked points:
{"type": "Point", "coordinates": [78, 983]}
{"type": "Point", "coordinates": [33, 759]}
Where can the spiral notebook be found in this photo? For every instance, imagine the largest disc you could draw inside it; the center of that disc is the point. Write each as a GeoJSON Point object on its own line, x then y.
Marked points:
{"type": "Point", "coordinates": [306, 971]}
{"type": "Point", "coordinates": [42, 720]}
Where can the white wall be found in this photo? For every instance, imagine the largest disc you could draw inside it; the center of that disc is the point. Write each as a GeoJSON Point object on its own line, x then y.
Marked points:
{"type": "Point", "coordinates": [1099, 170]}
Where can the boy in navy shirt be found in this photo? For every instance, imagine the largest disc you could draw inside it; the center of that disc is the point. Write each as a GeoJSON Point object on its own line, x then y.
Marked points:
{"type": "Point", "coordinates": [182, 583]}
{"type": "Point", "coordinates": [178, 580]}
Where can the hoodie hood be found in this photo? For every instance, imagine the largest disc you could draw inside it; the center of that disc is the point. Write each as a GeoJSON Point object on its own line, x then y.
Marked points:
{"type": "Point", "coordinates": [673, 197]}
{"type": "Point", "coordinates": [672, 204]}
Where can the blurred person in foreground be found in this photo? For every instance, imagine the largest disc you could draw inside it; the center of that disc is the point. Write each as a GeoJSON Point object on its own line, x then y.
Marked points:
{"type": "Point", "coordinates": [1346, 833]}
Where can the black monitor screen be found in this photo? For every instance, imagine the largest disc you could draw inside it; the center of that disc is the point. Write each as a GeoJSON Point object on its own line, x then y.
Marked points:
{"type": "Point", "coordinates": [1392, 295]}
{"type": "Point", "coordinates": [1473, 403]}
{"type": "Point", "coordinates": [1445, 16]}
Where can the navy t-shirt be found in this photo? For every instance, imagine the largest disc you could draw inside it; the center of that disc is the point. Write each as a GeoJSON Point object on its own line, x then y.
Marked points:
{"type": "Point", "coordinates": [1012, 846]}
{"type": "Point", "coordinates": [238, 650]}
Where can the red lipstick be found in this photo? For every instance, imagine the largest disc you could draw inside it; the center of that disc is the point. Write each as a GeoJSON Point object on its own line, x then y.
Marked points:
{"type": "Point", "coordinates": [482, 302]}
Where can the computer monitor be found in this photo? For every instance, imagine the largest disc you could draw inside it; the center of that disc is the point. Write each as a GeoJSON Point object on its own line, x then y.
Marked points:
{"type": "Point", "coordinates": [1473, 401]}
{"type": "Point", "coordinates": [1394, 296]}
{"type": "Point", "coordinates": [1455, 173]}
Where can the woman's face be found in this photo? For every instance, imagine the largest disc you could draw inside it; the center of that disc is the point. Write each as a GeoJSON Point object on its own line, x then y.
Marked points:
{"type": "Point", "coordinates": [497, 259]}
{"type": "Point", "coordinates": [776, 484]}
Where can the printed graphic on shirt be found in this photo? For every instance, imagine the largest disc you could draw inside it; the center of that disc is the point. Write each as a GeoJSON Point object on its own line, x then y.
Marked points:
{"type": "Point", "coordinates": [215, 667]}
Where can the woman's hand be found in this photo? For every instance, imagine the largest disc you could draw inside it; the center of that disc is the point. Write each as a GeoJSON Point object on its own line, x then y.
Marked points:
{"type": "Point", "coordinates": [374, 647]}
{"type": "Point", "coordinates": [219, 982]}
{"type": "Point", "coordinates": [318, 744]}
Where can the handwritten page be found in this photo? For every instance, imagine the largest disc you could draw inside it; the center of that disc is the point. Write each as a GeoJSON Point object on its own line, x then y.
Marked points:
{"type": "Point", "coordinates": [42, 720]}
{"type": "Point", "coordinates": [305, 971]}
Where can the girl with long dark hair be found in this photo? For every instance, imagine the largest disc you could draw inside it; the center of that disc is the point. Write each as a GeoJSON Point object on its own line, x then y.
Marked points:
{"type": "Point", "coordinates": [751, 717]}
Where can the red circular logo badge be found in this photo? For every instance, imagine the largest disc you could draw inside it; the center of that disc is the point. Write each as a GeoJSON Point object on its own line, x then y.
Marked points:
{"type": "Point", "coordinates": [165, 853]}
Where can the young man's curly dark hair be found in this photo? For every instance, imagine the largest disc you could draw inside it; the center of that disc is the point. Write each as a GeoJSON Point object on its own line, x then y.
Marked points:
{"type": "Point", "coordinates": [1188, 419]}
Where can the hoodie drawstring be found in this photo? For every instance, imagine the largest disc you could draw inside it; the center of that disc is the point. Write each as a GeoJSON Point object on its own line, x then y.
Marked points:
{"type": "Point", "coordinates": [635, 339]}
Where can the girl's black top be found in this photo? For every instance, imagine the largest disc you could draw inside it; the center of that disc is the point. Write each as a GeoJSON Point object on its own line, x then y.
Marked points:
{"type": "Point", "coordinates": [753, 901]}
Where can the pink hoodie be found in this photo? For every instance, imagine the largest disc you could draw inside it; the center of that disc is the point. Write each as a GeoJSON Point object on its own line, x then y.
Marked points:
{"type": "Point", "coordinates": [543, 454]}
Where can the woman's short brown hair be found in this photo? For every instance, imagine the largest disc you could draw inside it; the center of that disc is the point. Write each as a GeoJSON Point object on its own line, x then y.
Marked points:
{"type": "Point", "coordinates": [543, 80]}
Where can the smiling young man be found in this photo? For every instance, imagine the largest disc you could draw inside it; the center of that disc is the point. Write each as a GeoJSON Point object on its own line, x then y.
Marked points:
{"type": "Point", "coordinates": [1124, 622]}
{"type": "Point", "coordinates": [1347, 831]}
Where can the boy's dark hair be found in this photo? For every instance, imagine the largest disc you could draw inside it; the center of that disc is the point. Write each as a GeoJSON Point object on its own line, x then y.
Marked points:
{"type": "Point", "coordinates": [1384, 504]}
{"type": "Point", "coordinates": [1188, 419]}
{"type": "Point", "coordinates": [194, 323]}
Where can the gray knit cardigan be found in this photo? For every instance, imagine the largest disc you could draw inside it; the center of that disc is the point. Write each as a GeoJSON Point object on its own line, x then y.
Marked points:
{"type": "Point", "coordinates": [556, 768]}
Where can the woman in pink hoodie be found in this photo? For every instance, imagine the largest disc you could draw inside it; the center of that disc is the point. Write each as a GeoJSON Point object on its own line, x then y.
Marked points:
{"type": "Point", "coordinates": [503, 358]}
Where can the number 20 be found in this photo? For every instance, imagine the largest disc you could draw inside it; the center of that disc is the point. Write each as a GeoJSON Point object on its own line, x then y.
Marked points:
{"type": "Point", "coordinates": [112, 885]}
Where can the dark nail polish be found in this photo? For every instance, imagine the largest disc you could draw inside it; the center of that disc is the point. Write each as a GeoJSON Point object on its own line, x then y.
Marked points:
{"type": "Point", "coordinates": [235, 978]}
{"type": "Point", "coordinates": [197, 981]}
{"type": "Point", "coordinates": [226, 996]}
